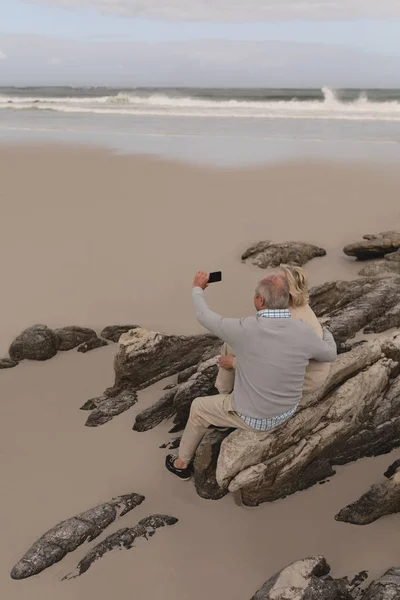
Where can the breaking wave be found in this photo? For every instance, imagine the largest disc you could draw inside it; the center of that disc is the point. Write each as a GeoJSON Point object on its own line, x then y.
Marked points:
{"type": "Point", "coordinates": [329, 106]}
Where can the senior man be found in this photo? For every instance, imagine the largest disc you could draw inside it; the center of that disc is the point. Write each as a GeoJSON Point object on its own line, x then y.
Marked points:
{"type": "Point", "coordinates": [272, 353]}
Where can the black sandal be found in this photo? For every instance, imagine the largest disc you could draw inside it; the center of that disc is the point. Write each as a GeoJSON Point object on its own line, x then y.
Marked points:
{"type": "Point", "coordinates": [183, 474]}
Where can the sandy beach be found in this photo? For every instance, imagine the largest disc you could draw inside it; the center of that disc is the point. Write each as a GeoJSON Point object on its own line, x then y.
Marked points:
{"type": "Point", "coordinates": [91, 238]}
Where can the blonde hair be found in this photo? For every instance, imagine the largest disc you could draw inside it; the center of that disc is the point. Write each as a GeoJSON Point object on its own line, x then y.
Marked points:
{"type": "Point", "coordinates": [298, 285]}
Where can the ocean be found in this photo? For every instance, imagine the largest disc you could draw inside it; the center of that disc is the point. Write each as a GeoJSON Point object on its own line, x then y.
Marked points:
{"type": "Point", "coordinates": [211, 126]}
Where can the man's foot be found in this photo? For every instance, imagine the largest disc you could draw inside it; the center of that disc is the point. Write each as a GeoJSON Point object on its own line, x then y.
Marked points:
{"type": "Point", "coordinates": [183, 474]}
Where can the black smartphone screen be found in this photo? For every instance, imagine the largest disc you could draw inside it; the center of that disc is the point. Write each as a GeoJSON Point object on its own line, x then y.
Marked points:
{"type": "Point", "coordinates": [215, 277]}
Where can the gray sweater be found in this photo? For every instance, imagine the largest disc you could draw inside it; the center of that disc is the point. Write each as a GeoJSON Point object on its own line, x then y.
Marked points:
{"type": "Point", "coordinates": [272, 357]}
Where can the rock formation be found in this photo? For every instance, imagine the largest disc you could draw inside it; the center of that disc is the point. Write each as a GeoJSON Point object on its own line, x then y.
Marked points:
{"type": "Point", "coordinates": [385, 588]}
{"type": "Point", "coordinates": [389, 265]}
{"type": "Point", "coordinates": [73, 336]}
{"type": "Point", "coordinates": [176, 402]}
{"type": "Point", "coordinates": [266, 254]}
{"type": "Point", "coordinates": [310, 579]}
{"type": "Point", "coordinates": [145, 357]}
{"type": "Point", "coordinates": [357, 413]}
{"type": "Point", "coordinates": [382, 499]}
{"type": "Point", "coordinates": [35, 343]}
{"type": "Point", "coordinates": [374, 246]}
{"type": "Point", "coordinates": [65, 537]}
{"type": "Point", "coordinates": [7, 363]}
{"type": "Point", "coordinates": [92, 344]}
{"type": "Point", "coordinates": [306, 579]}
{"type": "Point", "coordinates": [124, 538]}
{"type": "Point", "coordinates": [350, 306]}
{"type": "Point", "coordinates": [114, 332]}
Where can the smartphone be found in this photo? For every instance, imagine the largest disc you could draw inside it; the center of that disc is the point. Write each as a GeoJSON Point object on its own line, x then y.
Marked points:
{"type": "Point", "coordinates": [215, 277]}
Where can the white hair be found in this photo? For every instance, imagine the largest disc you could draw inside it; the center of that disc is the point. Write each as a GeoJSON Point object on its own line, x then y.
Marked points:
{"type": "Point", "coordinates": [274, 290]}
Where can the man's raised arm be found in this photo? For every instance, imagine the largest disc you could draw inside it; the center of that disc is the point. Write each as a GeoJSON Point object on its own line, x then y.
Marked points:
{"type": "Point", "coordinates": [227, 330]}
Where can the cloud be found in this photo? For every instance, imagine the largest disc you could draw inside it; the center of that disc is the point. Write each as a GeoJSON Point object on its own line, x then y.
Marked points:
{"type": "Point", "coordinates": [3, 55]}
{"type": "Point", "coordinates": [209, 63]}
{"type": "Point", "coordinates": [55, 61]}
{"type": "Point", "coordinates": [239, 10]}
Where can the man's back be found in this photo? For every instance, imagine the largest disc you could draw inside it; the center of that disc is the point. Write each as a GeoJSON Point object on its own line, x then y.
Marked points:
{"type": "Point", "coordinates": [272, 357]}
{"type": "Point", "coordinates": [273, 351]}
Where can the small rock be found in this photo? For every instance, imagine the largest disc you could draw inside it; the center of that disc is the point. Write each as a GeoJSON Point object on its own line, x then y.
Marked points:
{"type": "Point", "coordinates": [170, 386]}
{"type": "Point", "coordinates": [374, 246]}
{"type": "Point", "coordinates": [124, 538]}
{"type": "Point", "coordinates": [114, 332]}
{"type": "Point", "coordinates": [73, 336]}
{"type": "Point", "coordinates": [7, 363]}
{"type": "Point", "coordinates": [267, 255]}
{"type": "Point", "coordinates": [92, 344]}
{"type": "Point", "coordinates": [382, 499]}
{"type": "Point", "coordinates": [173, 444]}
{"type": "Point", "coordinates": [111, 407]}
{"type": "Point", "coordinates": [391, 470]}
{"type": "Point", "coordinates": [34, 343]}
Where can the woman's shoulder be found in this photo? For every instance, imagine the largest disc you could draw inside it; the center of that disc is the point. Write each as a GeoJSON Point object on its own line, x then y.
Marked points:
{"type": "Point", "coordinates": [306, 314]}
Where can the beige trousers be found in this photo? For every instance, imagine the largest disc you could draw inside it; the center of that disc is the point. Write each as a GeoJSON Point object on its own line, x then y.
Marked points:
{"type": "Point", "coordinates": [206, 411]}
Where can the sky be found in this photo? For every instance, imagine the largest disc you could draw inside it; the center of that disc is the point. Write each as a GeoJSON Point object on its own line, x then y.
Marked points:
{"type": "Point", "coordinates": [260, 43]}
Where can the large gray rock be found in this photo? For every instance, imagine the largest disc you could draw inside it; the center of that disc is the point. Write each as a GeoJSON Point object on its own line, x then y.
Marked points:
{"type": "Point", "coordinates": [205, 463]}
{"type": "Point", "coordinates": [35, 343]}
{"type": "Point", "coordinates": [389, 265]}
{"type": "Point", "coordinates": [124, 538]}
{"type": "Point", "coordinates": [382, 499]}
{"type": "Point", "coordinates": [385, 588]}
{"type": "Point", "coordinates": [266, 254]}
{"type": "Point", "coordinates": [356, 414]}
{"type": "Point", "coordinates": [374, 246]}
{"type": "Point", "coordinates": [65, 537]}
{"type": "Point", "coordinates": [176, 402]}
{"type": "Point", "coordinates": [350, 306]}
{"type": "Point", "coordinates": [114, 332]}
{"type": "Point", "coordinates": [145, 356]}
{"type": "Point", "coordinates": [70, 337]}
{"type": "Point", "coordinates": [306, 579]}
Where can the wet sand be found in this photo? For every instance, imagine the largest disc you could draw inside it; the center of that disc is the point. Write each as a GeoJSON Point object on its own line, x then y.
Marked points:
{"type": "Point", "coordinates": [93, 239]}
